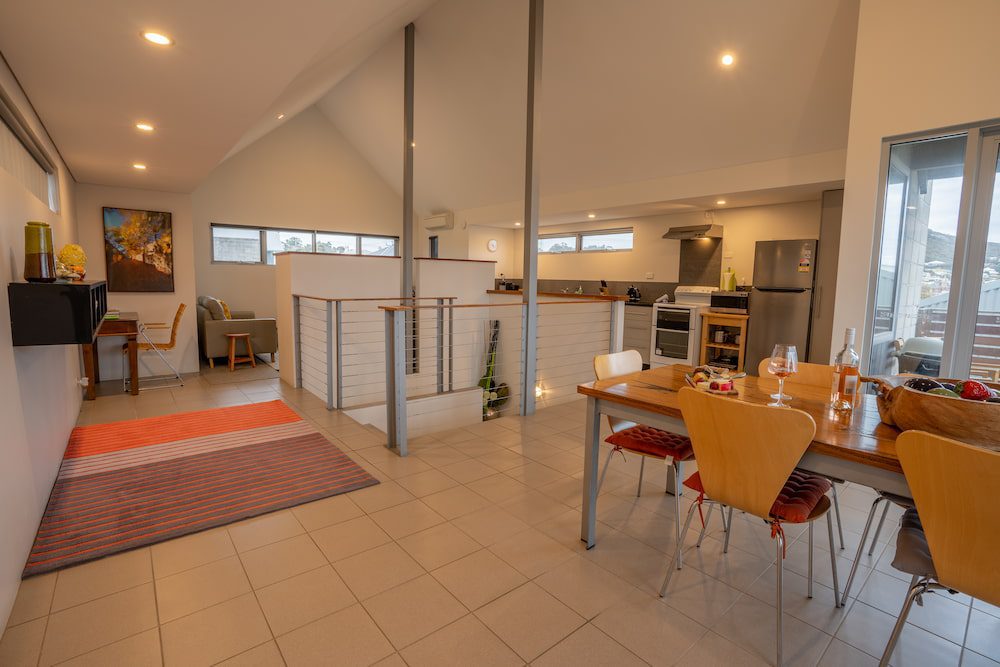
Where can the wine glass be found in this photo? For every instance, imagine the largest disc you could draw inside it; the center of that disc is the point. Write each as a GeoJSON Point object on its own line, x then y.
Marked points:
{"type": "Point", "coordinates": [784, 362]}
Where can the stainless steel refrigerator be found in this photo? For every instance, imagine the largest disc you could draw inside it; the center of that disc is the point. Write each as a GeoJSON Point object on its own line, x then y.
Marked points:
{"type": "Point", "coordinates": [781, 299]}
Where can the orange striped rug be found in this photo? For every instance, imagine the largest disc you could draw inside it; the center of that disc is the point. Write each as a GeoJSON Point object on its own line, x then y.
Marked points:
{"type": "Point", "coordinates": [129, 484]}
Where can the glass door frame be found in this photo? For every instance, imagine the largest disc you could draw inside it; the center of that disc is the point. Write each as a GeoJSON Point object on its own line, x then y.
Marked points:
{"type": "Point", "coordinates": [959, 336]}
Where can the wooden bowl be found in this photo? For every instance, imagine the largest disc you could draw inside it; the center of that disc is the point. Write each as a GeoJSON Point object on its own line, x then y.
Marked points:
{"type": "Point", "coordinates": [973, 422]}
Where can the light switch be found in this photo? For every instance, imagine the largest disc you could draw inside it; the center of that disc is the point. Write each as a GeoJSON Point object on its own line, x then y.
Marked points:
{"type": "Point", "coordinates": [649, 275]}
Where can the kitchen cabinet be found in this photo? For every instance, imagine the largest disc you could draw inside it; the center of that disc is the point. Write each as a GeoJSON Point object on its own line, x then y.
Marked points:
{"type": "Point", "coordinates": [638, 329]}
{"type": "Point", "coordinates": [724, 340]}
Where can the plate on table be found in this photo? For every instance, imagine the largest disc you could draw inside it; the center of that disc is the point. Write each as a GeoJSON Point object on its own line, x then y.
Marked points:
{"type": "Point", "coordinates": [703, 377]}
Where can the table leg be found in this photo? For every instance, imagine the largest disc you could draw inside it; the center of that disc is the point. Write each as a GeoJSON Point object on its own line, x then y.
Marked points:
{"type": "Point", "coordinates": [89, 365]}
{"type": "Point", "coordinates": [97, 364]}
{"type": "Point", "coordinates": [591, 453]}
{"type": "Point", "coordinates": [133, 364]}
{"type": "Point", "coordinates": [674, 481]}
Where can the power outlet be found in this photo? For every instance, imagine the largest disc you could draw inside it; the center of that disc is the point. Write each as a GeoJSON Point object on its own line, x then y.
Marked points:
{"type": "Point", "coordinates": [649, 275]}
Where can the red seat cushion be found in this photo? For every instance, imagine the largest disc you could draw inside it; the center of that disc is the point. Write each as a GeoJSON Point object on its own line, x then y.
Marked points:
{"type": "Point", "coordinates": [653, 442]}
{"type": "Point", "coordinates": [797, 499]}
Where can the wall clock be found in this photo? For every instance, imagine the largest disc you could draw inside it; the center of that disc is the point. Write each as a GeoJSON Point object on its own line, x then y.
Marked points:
{"type": "Point", "coordinates": [491, 245]}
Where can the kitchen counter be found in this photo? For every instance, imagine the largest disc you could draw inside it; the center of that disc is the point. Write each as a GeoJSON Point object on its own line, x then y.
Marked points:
{"type": "Point", "coordinates": [570, 295]}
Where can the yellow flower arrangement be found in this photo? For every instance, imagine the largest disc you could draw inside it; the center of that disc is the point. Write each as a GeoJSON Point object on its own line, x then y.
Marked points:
{"type": "Point", "coordinates": [73, 255]}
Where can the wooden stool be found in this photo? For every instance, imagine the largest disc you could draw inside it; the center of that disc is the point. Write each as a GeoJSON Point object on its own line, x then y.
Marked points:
{"type": "Point", "coordinates": [233, 359]}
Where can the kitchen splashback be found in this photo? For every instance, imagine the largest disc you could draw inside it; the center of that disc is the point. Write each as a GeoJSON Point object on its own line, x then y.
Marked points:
{"type": "Point", "coordinates": [650, 290]}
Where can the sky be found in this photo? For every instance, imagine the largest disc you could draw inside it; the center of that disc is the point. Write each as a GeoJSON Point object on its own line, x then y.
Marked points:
{"type": "Point", "coordinates": [943, 215]}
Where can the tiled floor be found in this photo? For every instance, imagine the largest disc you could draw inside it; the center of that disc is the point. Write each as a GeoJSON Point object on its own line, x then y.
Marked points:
{"type": "Point", "coordinates": [468, 553]}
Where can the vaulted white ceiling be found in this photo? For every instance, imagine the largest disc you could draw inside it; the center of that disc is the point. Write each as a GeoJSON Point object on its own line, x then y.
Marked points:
{"type": "Point", "coordinates": [235, 65]}
{"type": "Point", "coordinates": [631, 91]}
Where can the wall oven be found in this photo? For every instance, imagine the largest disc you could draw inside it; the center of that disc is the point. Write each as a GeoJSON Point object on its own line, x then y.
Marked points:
{"type": "Point", "coordinates": [676, 329]}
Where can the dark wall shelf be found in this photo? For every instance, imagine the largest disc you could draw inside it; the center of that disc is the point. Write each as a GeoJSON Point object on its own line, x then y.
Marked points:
{"type": "Point", "coordinates": [59, 313]}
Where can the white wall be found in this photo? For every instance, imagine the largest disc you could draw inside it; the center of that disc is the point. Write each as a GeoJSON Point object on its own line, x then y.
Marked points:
{"type": "Point", "coordinates": [939, 82]}
{"type": "Point", "coordinates": [151, 306]}
{"type": "Point", "coordinates": [302, 175]}
{"type": "Point", "coordinates": [742, 228]}
{"type": "Point", "coordinates": [39, 394]}
{"type": "Point", "coordinates": [506, 252]}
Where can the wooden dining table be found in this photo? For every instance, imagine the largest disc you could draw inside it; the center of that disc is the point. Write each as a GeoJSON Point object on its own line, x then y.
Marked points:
{"type": "Point", "coordinates": [854, 446]}
{"type": "Point", "coordinates": [125, 326]}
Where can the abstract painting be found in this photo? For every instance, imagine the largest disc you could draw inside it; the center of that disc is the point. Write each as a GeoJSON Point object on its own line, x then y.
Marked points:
{"type": "Point", "coordinates": [138, 248]}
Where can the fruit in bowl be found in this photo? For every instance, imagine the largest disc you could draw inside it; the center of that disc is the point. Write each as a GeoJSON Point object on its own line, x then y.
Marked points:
{"type": "Point", "coordinates": [973, 390]}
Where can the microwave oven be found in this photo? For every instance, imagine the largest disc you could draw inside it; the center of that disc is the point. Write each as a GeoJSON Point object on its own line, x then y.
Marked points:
{"type": "Point", "coordinates": [730, 302]}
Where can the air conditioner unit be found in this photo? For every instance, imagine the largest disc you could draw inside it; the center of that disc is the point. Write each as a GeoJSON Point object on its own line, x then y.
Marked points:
{"type": "Point", "coordinates": [444, 220]}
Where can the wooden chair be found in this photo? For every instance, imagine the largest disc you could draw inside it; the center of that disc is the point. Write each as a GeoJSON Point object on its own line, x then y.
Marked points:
{"type": "Point", "coordinates": [814, 375]}
{"type": "Point", "coordinates": [951, 539]}
{"type": "Point", "coordinates": [147, 345]}
{"type": "Point", "coordinates": [645, 441]}
{"type": "Point", "coordinates": [752, 469]}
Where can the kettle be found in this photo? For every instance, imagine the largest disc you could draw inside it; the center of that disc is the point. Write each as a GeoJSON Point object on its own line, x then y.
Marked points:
{"type": "Point", "coordinates": [633, 293]}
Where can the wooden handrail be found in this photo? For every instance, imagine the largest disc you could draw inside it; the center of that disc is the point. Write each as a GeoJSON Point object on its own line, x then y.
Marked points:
{"type": "Point", "coordinates": [374, 298]}
{"type": "Point", "coordinates": [491, 305]}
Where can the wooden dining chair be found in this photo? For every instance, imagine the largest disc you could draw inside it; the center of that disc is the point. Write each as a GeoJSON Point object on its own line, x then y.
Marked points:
{"type": "Point", "coordinates": [147, 344]}
{"type": "Point", "coordinates": [646, 441]}
{"type": "Point", "coordinates": [819, 376]}
{"type": "Point", "coordinates": [752, 468]}
{"type": "Point", "coordinates": [950, 540]}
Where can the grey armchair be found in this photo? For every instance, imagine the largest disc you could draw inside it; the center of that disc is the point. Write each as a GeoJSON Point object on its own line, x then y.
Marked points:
{"type": "Point", "coordinates": [213, 327]}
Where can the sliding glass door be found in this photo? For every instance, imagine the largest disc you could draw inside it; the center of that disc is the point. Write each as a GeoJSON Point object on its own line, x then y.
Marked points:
{"type": "Point", "coordinates": [935, 293]}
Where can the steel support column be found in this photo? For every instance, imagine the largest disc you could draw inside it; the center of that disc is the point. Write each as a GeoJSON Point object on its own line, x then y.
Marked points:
{"type": "Point", "coordinates": [406, 287]}
{"type": "Point", "coordinates": [530, 274]}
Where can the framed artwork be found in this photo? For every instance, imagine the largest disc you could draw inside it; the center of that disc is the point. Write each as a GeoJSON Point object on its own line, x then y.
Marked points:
{"type": "Point", "coordinates": [138, 249]}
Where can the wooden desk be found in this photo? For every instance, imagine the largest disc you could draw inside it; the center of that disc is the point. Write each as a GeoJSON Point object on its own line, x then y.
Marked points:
{"type": "Point", "coordinates": [856, 447]}
{"type": "Point", "coordinates": [126, 326]}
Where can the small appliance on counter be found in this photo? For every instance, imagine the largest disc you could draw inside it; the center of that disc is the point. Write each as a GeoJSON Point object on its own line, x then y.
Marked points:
{"type": "Point", "coordinates": [634, 295]}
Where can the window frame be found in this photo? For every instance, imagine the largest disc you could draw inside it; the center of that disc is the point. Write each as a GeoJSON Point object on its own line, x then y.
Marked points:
{"type": "Point", "coordinates": [313, 233]}
{"type": "Point", "coordinates": [578, 237]}
{"type": "Point", "coordinates": [606, 232]}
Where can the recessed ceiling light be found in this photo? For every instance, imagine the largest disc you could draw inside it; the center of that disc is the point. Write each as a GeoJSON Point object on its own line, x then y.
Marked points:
{"type": "Point", "coordinates": [591, 215]}
{"type": "Point", "coordinates": [517, 224]}
{"type": "Point", "coordinates": [413, 144]}
{"type": "Point", "coordinates": [911, 208]}
{"type": "Point", "coordinates": [157, 38]}
{"type": "Point", "coordinates": [139, 166]}
{"type": "Point", "coordinates": [145, 127]}
{"type": "Point", "coordinates": [280, 116]}
{"type": "Point", "coordinates": [727, 59]}
{"type": "Point", "coordinates": [720, 202]}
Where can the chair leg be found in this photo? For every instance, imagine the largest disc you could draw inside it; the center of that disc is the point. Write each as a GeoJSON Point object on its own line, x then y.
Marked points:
{"type": "Point", "coordinates": [833, 562]}
{"type": "Point", "coordinates": [211, 362]}
{"type": "Point", "coordinates": [725, 545]}
{"type": "Point", "coordinates": [642, 469]}
{"type": "Point", "coordinates": [604, 470]}
{"type": "Point", "coordinates": [272, 357]}
{"type": "Point", "coordinates": [861, 550]}
{"type": "Point", "coordinates": [915, 590]}
{"type": "Point", "coordinates": [253, 357]}
{"type": "Point", "coordinates": [809, 579]}
{"type": "Point", "coordinates": [704, 526]}
{"type": "Point", "coordinates": [675, 562]}
{"type": "Point", "coordinates": [836, 508]}
{"type": "Point", "coordinates": [124, 374]}
{"type": "Point", "coordinates": [878, 531]}
{"type": "Point", "coordinates": [725, 521]}
{"type": "Point", "coordinates": [779, 542]}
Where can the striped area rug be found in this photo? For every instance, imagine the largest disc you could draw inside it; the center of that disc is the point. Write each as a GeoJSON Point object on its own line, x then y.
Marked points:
{"type": "Point", "coordinates": [129, 484]}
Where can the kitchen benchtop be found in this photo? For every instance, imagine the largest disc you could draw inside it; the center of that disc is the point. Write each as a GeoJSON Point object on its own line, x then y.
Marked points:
{"type": "Point", "coordinates": [640, 304]}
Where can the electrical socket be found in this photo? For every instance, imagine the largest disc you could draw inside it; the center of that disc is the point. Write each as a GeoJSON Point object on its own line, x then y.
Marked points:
{"type": "Point", "coordinates": [649, 275]}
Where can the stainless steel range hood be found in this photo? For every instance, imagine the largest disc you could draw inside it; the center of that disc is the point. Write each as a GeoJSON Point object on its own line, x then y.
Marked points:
{"type": "Point", "coordinates": [694, 232]}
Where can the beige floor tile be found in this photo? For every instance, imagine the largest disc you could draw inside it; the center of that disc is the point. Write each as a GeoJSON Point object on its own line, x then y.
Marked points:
{"type": "Point", "coordinates": [378, 497]}
{"type": "Point", "coordinates": [535, 474]}
{"type": "Point", "coordinates": [426, 483]}
{"type": "Point", "coordinates": [413, 610]}
{"type": "Point", "coordinates": [478, 578]}
{"type": "Point", "coordinates": [699, 596]}
{"type": "Point", "coordinates": [942, 614]}
{"type": "Point", "coordinates": [529, 620]}
{"type": "Point", "coordinates": [468, 470]}
{"type": "Point", "coordinates": [326, 512]}
{"type": "Point", "coordinates": [377, 570]}
{"type": "Point", "coordinates": [501, 459]}
{"type": "Point", "coordinates": [214, 634]}
{"type": "Point", "coordinates": [183, 553]}
{"type": "Point", "coordinates": [22, 644]}
{"type": "Point", "coordinates": [350, 537]}
{"type": "Point", "coordinates": [531, 553]}
{"type": "Point", "coordinates": [406, 519]}
{"type": "Point", "coordinates": [984, 634]}
{"type": "Point", "coordinates": [262, 530]}
{"type": "Point", "coordinates": [34, 598]}
{"type": "Point", "coordinates": [438, 545]}
{"type": "Point", "coordinates": [820, 611]}
{"type": "Point", "coordinates": [714, 649]}
{"type": "Point", "coordinates": [639, 564]}
{"type": "Point", "coordinates": [455, 502]}
{"type": "Point", "coordinates": [584, 587]}
{"type": "Point", "coordinates": [90, 581]}
{"type": "Point", "coordinates": [442, 455]}
{"type": "Point", "coordinates": [497, 488]}
{"type": "Point", "coordinates": [588, 646]}
{"type": "Point", "coordinates": [281, 560]}
{"type": "Point", "coordinates": [465, 642]}
{"type": "Point", "coordinates": [490, 525]}
{"type": "Point", "coordinates": [649, 628]}
{"type": "Point", "coordinates": [392, 661]}
{"type": "Point", "coordinates": [88, 626]}
{"type": "Point", "coordinates": [348, 637]}
{"type": "Point", "coordinates": [868, 629]}
{"type": "Point", "coordinates": [141, 650]}
{"type": "Point", "coordinates": [292, 603]}
{"type": "Point", "coordinates": [195, 589]}
{"type": "Point", "coordinates": [533, 507]}
{"type": "Point", "coordinates": [265, 655]}
{"type": "Point", "coordinates": [840, 654]}
{"type": "Point", "coordinates": [751, 625]}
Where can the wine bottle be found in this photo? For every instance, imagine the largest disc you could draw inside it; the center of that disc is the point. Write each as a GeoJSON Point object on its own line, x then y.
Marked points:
{"type": "Point", "coordinates": [845, 375]}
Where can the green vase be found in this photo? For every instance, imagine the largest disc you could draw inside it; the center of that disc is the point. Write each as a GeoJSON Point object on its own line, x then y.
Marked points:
{"type": "Point", "coordinates": [39, 254]}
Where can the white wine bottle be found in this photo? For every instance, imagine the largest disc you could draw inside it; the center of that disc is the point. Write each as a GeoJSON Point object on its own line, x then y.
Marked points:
{"type": "Point", "coordinates": [844, 391]}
